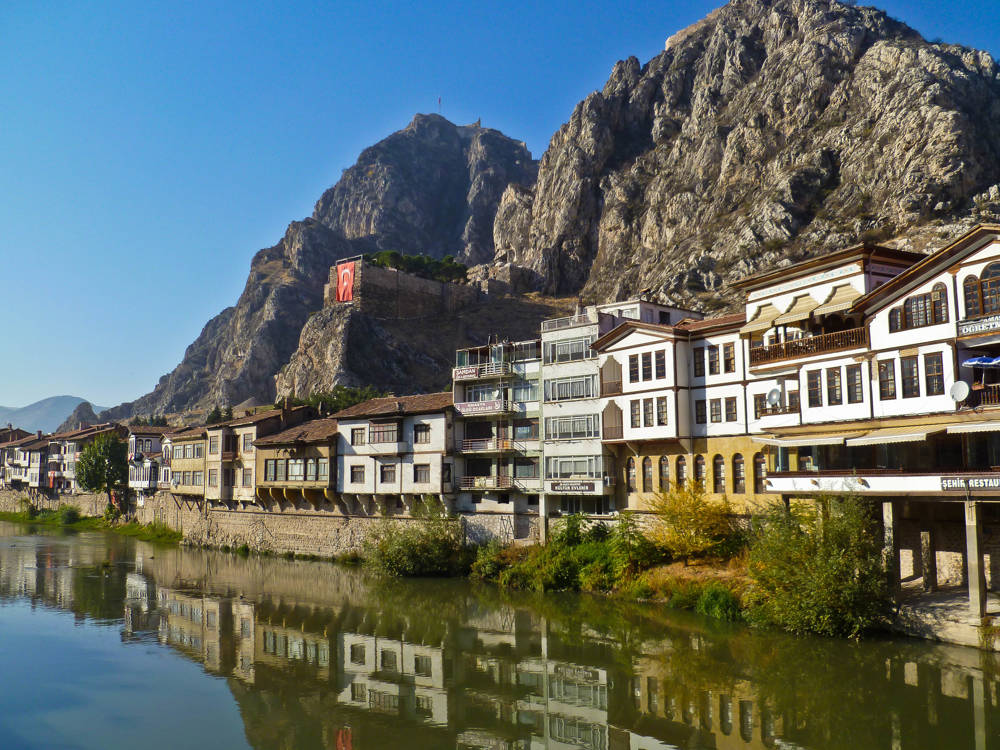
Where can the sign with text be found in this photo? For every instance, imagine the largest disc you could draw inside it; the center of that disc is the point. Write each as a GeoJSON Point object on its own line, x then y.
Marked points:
{"type": "Point", "coordinates": [566, 487]}
{"type": "Point", "coordinates": [980, 325]}
{"type": "Point", "coordinates": [461, 373]}
{"type": "Point", "coordinates": [345, 281]}
{"type": "Point", "coordinates": [960, 484]}
{"type": "Point", "coordinates": [479, 407]}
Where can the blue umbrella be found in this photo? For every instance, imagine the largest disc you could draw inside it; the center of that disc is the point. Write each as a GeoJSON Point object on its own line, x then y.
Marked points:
{"type": "Point", "coordinates": [982, 362]}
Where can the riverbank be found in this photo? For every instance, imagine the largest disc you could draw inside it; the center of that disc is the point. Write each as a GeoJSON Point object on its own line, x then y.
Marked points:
{"type": "Point", "coordinates": [152, 532]}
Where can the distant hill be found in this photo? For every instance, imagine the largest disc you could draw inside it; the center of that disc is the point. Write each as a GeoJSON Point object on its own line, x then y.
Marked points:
{"type": "Point", "coordinates": [45, 415]}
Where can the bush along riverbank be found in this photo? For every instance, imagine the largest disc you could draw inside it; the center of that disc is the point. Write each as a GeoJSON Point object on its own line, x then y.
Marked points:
{"type": "Point", "coordinates": [68, 517]}
{"type": "Point", "coordinates": [812, 569]}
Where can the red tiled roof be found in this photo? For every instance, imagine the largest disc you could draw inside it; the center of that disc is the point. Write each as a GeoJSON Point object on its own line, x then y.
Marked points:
{"type": "Point", "coordinates": [399, 405]}
{"type": "Point", "coordinates": [721, 321]}
{"type": "Point", "coordinates": [314, 431]}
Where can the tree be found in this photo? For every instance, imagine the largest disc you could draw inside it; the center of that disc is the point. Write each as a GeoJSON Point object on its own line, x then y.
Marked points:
{"type": "Point", "coordinates": [687, 523]}
{"type": "Point", "coordinates": [214, 416]}
{"type": "Point", "coordinates": [103, 467]}
{"type": "Point", "coordinates": [341, 397]}
{"type": "Point", "coordinates": [227, 414]}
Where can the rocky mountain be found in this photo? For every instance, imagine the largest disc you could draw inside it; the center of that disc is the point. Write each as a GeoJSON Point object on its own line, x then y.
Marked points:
{"type": "Point", "coordinates": [45, 415]}
{"type": "Point", "coordinates": [432, 187]}
{"type": "Point", "coordinates": [82, 414]}
{"type": "Point", "coordinates": [769, 131]}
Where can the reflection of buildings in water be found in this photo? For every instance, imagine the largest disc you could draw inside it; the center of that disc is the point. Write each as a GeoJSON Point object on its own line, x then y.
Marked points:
{"type": "Point", "coordinates": [244, 629]}
{"type": "Point", "coordinates": [201, 626]}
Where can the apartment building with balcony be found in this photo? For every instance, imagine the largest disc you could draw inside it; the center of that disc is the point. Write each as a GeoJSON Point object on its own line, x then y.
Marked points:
{"type": "Point", "coordinates": [231, 456]}
{"type": "Point", "coordinates": [298, 465]}
{"type": "Point", "coordinates": [581, 469]}
{"type": "Point", "coordinates": [393, 452]}
{"type": "Point", "coordinates": [497, 427]}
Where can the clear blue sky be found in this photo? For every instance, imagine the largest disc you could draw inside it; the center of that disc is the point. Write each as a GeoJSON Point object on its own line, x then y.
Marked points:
{"type": "Point", "coordinates": [150, 148]}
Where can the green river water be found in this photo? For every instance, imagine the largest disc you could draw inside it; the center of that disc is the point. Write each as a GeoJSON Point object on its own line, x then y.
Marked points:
{"type": "Point", "coordinates": [106, 642]}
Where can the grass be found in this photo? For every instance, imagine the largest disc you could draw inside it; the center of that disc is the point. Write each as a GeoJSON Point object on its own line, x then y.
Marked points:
{"type": "Point", "coordinates": [65, 519]}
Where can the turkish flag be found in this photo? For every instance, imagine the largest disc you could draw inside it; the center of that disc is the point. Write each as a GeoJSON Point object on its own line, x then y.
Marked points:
{"type": "Point", "coordinates": [345, 282]}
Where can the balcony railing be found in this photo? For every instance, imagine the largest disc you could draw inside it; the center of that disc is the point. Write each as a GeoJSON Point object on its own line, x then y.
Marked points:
{"type": "Point", "coordinates": [229, 455]}
{"type": "Point", "coordinates": [853, 338]}
{"type": "Point", "coordinates": [988, 395]}
{"type": "Point", "coordinates": [613, 432]}
{"type": "Point", "coordinates": [496, 406]}
{"type": "Point", "coordinates": [485, 483]}
{"type": "Point", "coordinates": [488, 445]}
{"type": "Point", "coordinates": [611, 388]}
{"type": "Point", "coordinates": [571, 320]}
{"type": "Point", "coordinates": [489, 370]}
{"type": "Point", "coordinates": [773, 411]}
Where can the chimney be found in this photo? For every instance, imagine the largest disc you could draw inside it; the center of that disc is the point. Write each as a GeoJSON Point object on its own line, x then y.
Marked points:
{"type": "Point", "coordinates": [38, 434]}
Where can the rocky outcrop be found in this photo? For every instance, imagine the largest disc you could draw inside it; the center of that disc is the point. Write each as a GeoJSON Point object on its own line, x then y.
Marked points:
{"type": "Point", "coordinates": [430, 188]}
{"type": "Point", "coordinates": [82, 414]}
{"type": "Point", "coordinates": [769, 131]}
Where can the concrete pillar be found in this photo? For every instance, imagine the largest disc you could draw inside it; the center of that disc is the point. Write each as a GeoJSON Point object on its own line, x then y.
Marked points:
{"type": "Point", "coordinates": [974, 559]}
{"type": "Point", "coordinates": [890, 522]}
{"type": "Point", "coordinates": [928, 559]}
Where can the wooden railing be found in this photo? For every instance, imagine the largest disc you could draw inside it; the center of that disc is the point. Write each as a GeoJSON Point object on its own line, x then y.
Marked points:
{"type": "Point", "coordinates": [611, 387]}
{"type": "Point", "coordinates": [771, 411]}
{"type": "Point", "coordinates": [988, 395]}
{"type": "Point", "coordinates": [852, 338]}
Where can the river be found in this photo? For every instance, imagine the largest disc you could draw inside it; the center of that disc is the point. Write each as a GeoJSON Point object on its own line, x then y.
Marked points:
{"type": "Point", "coordinates": [106, 642]}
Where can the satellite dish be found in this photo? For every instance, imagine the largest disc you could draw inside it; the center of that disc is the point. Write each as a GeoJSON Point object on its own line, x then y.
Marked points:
{"type": "Point", "coordinates": [773, 397]}
{"type": "Point", "coordinates": [959, 391]}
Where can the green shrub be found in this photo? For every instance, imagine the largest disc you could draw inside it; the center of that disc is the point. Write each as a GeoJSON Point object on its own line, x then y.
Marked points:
{"type": "Point", "coordinates": [430, 546]}
{"type": "Point", "coordinates": [819, 572]}
{"type": "Point", "coordinates": [68, 515]}
{"type": "Point", "coordinates": [111, 513]}
{"type": "Point", "coordinates": [719, 602]}
{"type": "Point", "coordinates": [243, 550]}
{"type": "Point", "coordinates": [28, 508]}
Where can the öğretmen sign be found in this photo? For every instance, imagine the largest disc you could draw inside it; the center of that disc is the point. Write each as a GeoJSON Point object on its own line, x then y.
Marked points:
{"type": "Point", "coordinates": [970, 483]}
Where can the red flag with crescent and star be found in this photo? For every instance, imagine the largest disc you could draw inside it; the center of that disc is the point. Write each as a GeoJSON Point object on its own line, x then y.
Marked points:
{"type": "Point", "coordinates": [345, 282]}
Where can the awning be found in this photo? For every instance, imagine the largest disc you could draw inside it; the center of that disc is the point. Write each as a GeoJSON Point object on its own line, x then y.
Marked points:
{"type": "Point", "coordinates": [885, 435]}
{"type": "Point", "coordinates": [982, 362]}
{"type": "Point", "coordinates": [799, 441]}
{"type": "Point", "coordinates": [762, 319]}
{"type": "Point", "coordinates": [841, 298]}
{"type": "Point", "coordinates": [800, 309]}
{"type": "Point", "coordinates": [967, 427]}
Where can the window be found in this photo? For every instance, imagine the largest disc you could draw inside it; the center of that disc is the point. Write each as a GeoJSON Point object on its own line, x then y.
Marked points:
{"type": "Point", "coordinates": [933, 374]}
{"type": "Point", "coordinates": [815, 388]}
{"type": "Point", "coordinates": [647, 474]}
{"type": "Point", "coordinates": [476, 393]}
{"type": "Point", "coordinates": [358, 436]}
{"type": "Point", "coordinates": [248, 477]}
{"type": "Point", "coordinates": [213, 445]}
{"type": "Point", "coordinates": [388, 659]}
{"type": "Point", "coordinates": [213, 477]}
{"type": "Point", "coordinates": [526, 468]}
{"type": "Point", "coordinates": [634, 409]}
{"type": "Point", "coordinates": [661, 411]}
{"type": "Point", "coordinates": [570, 467]}
{"type": "Point", "coordinates": [569, 388]}
{"type": "Point", "coordinates": [186, 478]}
{"type": "Point", "coordinates": [681, 471]}
{"type": "Point", "coordinates": [570, 428]}
{"type": "Point", "coordinates": [759, 404]}
{"type": "Point", "coordinates": [296, 469]}
{"type": "Point", "coordinates": [793, 400]}
{"type": "Point", "coordinates": [719, 475]}
{"type": "Point", "coordinates": [647, 366]}
{"type": "Point", "coordinates": [834, 396]}
{"type": "Point", "coordinates": [421, 433]}
{"type": "Point", "coordinates": [357, 653]}
{"type": "Point", "coordinates": [699, 470]}
{"type": "Point", "coordinates": [524, 391]}
{"type": "Point", "coordinates": [700, 416]}
{"type": "Point", "coordinates": [387, 473]}
{"type": "Point", "coordinates": [661, 364]}
{"type": "Point", "coordinates": [729, 358]}
{"type": "Point", "coordinates": [357, 474]}
{"type": "Point", "coordinates": [713, 360]}
{"type": "Point", "coordinates": [647, 412]}
{"type": "Point", "coordinates": [633, 368]}
{"type": "Point", "coordinates": [424, 705]}
{"type": "Point", "coordinates": [698, 356]}
{"type": "Point", "coordinates": [247, 442]}
{"type": "Point", "coordinates": [359, 691]}
{"type": "Point", "coordinates": [664, 473]}
{"type": "Point", "coordinates": [198, 450]}
{"type": "Point", "coordinates": [197, 478]}
{"type": "Point", "coordinates": [886, 380]}
{"type": "Point", "coordinates": [855, 392]}
{"type": "Point", "coordinates": [310, 469]}
{"type": "Point", "coordinates": [422, 666]}
{"type": "Point", "coordinates": [630, 474]}
{"type": "Point", "coordinates": [280, 467]}
{"type": "Point", "coordinates": [759, 473]}
{"type": "Point", "coordinates": [383, 432]}
{"type": "Point", "coordinates": [739, 475]}
{"type": "Point", "coordinates": [971, 292]}
{"type": "Point", "coordinates": [526, 429]}
{"type": "Point", "coordinates": [731, 409]}
{"type": "Point", "coordinates": [909, 376]}
{"type": "Point", "coordinates": [189, 451]}
{"type": "Point", "coordinates": [178, 451]}
{"type": "Point", "coordinates": [570, 350]}
{"type": "Point", "coordinates": [716, 409]}
{"type": "Point", "coordinates": [422, 473]}
{"type": "Point", "coordinates": [323, 468]}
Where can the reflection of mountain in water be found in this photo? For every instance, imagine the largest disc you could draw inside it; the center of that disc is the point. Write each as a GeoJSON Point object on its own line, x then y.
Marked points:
{"type": "Point", "coordinates": [320, 656]}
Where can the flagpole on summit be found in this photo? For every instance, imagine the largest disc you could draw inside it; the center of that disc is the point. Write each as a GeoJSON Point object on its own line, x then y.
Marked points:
{"type": "Point", "coordinates": [439, 105]}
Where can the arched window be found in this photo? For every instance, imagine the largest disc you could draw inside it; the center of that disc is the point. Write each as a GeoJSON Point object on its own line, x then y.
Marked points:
{"type": "Point", "coordinates": [664, 473]}
{"type": "Point", "coordinates": [699, 470]}
{"type": "Point", "coordinates": [983, 297]}
{"type": "Point", "coordinates": [739, 475]}
{"type": "Point", "coordinates": [970, 289]}
{"type": "Point", "coordinates": [630, 474]}
{"type": "Point", "coordinates": [895, 320]}
{"type": "Point", "coordinates": [647, 474]}
{"type": "Point", "coordinates": [939, 303]}
{"type": "Point", "coordinates": [681, 471]}
{"type": "Point", "coordinates": [719, 475]}
{"type": "Point", "coordinates": [759, 473]}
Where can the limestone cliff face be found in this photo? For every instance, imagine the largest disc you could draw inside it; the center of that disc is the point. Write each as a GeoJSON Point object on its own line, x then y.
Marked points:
{"type": "Point", "coordinates": [430, 188]}
{"type": "Point", "coordinates": [82, 414]}
{"type": "Point", "coordinates": [771, 130]}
